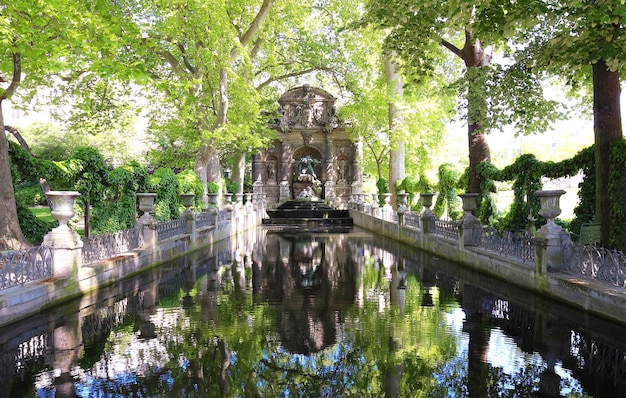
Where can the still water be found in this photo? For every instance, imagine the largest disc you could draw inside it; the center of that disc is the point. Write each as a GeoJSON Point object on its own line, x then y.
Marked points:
{"type": "Point", "coordinates": [284, 314]}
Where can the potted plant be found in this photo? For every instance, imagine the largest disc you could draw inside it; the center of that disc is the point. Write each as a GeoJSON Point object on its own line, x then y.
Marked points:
{"type": "Point", "coordinates": [213, 189]}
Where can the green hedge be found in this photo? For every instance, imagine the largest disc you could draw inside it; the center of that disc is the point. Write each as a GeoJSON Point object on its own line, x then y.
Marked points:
{"type": "Point", "coordinates": [110, 192]}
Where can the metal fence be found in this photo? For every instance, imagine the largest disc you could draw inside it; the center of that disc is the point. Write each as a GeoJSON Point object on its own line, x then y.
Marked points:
{"type": "Point", "coordinates": [509, 243]}
{"type": "Point", "coordinates": [596, 263]}
{"type": "Point", "coordinates": [101, 247]}
{"type": "Point", "coordinates": [222, 215]}
{"type": "Point", "coordinates": [20, 266]}
{"type": "Point", "coordinates": [447, 228]}
{"type": "Point", "coordinates": [169, 229]}
{"type": "Point", "coordinates": [413, 220]}
{"type": "Point", "coordinates": [204, 220]}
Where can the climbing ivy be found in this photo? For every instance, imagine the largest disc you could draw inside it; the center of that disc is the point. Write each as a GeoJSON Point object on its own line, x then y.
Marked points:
{"type": "Point", "coordinates": [111, 193]}
{"type": "Point", "coordinates": [447, 200]}
{"type": "Point", "coordinates": [526, 173]}
{"type": "Point", "coordinates": [164, 183]}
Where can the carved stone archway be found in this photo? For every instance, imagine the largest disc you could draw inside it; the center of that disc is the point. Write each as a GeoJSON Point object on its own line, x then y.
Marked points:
{"type": "Point", "coordinates": [307, 125]}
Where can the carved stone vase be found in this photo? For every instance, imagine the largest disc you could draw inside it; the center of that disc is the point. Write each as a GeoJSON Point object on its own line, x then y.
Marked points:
{"type": "Point", "coordinates": [62, 206]}
{"type": "Point", "coordinates": [187, 199]}
{"type": "Point", "coordinates": [146, 204]}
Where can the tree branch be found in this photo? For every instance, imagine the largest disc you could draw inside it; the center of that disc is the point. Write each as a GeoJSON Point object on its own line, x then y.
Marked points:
{"type": "Point", "coordinates": [256, 24]}
{"type": "Point", "coordinates": [292, 74]}
{"type": "Point", "coordinates": [172, 61]}
{"type": "Point", "coordinates": [16, 78]}
{"type": "Point", "coordinates": [18, 137]}
{"type": "Point", "coordinates": [455, 50]}
{"type": "Point", "coordinates": [188, 65]}
{"type": "Point", "coordinates": [255, 48]}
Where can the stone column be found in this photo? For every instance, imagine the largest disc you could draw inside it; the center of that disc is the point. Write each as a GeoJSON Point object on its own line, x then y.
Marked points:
{"type": "Point", "coordinates": [402, 206]}
{"type": "Point", "coordinates": [257, 168]}
{"type": "Point", "coordinates": [187, 199]}
{"type": "Point", "coordinates": [550, 239]}
{"type": "Point", "coordinates": [65, 243]}
{"type": "Point", "coordinates": [470, 228]}
{"type": "Point", "coordinates": [146, 222]}
{"type": "Point", "coordinates": [258, 173]}
{"type": "Point", "coordinates": [427, 216]}
{"type": "Point", "coordinates": [285, 175]}
{"type": "Point", "coordinates": [329, 166]}
{"type": "Point", "coordinates": [357, 153]}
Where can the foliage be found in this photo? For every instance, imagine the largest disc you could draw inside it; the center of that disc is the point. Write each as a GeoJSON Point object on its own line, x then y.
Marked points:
{"type": "Point", "coordinates": [383, 187]}
{"type": "Point", "coordinates": [232, 186]}
{"type": "Point", "coordinates": [163, 182]}
{"type": "Point", "coordinates": [30, 194]}
{"type": "Point", "coordinates": [526, 173]}
{"type": "Point", "coordinates": [33, 227]}
{"type": "Point", "coordinates": [213, 187]}
{"type": "Point", "coordinates": [410, 185]}
{"type": "Point", "coordinates": [189, 182]}
{"type": "Point", "coordinates": [116, 211]}
{"type": "Point", "coordinates": [617, 192]}
{"type": "Point", "coordinates": [447, 200]}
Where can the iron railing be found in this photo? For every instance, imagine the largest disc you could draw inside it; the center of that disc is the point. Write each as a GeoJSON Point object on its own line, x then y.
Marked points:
{"type": "Point", "coordinates": [101, 247]}
{"type": "Point", "coordinates": [447, 228]}
{"type": "Point", "coordinates": [222, 215]}
{"type": "Point", "coordinates": [204, 220]}
{"type": "Point", "coordinates": [20, 266]}
{"type": "Point", "coordinates": [169, 229]}
{"type": "Point", "coordinates": [596, 263]}
{"type": "Point", "coordinates": [508, 243]}
{"type": "Point", "coordinates": [413, 220]}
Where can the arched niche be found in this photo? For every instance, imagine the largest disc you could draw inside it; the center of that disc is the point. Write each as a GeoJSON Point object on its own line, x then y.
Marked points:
{"type": "Point", "coordinates": [302, 152]}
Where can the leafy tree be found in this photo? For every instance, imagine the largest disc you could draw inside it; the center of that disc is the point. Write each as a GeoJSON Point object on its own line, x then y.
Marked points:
{"type": "Point", "coordinates": [39, 42]}
{"type": "Point", "coordinates": [581, 42]}
{"type": "Point", "coordinates": [424, 34]}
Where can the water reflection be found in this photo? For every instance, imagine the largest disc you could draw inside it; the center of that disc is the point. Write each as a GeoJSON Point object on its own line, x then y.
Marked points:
{"type": "Point", "coordinates": [272, 314]}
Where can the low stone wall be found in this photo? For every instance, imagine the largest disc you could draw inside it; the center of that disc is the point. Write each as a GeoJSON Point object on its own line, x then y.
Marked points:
{"type": "Point", "coordinates": [22, 301]}
{"type": "Point", "coordinates": [596, 298]}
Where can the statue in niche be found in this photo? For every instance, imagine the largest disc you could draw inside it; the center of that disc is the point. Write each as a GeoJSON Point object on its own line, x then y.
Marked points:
{"type": "Point", "coordinates": [271, 171]}
{"type": "Point", "coordinates": [306, 166]}
{"type": "Point", "coordinates": [283, 123]}
{"type": "Point", "coordinates": [342, 171]}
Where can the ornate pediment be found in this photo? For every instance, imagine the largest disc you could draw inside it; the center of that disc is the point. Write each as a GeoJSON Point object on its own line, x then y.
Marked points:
{"type": "Point", "coordinates": [306, 107]}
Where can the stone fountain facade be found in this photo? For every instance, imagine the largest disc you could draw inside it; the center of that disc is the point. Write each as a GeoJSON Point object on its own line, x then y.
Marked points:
{"type": "Point", "coordinates": [313, 154]}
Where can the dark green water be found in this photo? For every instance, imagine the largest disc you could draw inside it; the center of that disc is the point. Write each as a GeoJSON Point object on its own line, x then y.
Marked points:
{"type": "Point", "coordinates": [311, 315]}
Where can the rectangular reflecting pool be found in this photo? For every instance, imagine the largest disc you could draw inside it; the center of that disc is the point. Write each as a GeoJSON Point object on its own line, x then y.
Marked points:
{"type": "Point", "coordinates": [275, 313]}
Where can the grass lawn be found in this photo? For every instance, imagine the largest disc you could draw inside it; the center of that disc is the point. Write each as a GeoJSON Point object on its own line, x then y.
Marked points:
{"type": "Point", "coordinates": [43, 213]}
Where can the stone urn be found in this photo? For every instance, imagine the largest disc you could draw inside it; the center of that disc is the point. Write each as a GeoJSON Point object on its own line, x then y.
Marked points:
{"type": "Point", "coordinates": [550, 208]}
{"type": "Point", "coordinates": [402, 202]}
{"type": "Point", "coordinates": [146, 204]}
{"type": "Point", "coordinates": [375, 203]}
{"type": "Point", "coordinates": [387, 199]}
{"type": "Point", "coordinates": [427, 199]}
{"type": "Point", "coordinates": [62, 206]}
{"type": "Point", "coordinates": [470, 203]}
{"type": "Point", "coordinates": [63, 237]}
{"type": "Point", "coordinates": [213, 196]}
{"type": "Point", "coordinates": [228, 200]}
{"type": "Point", "coordinates": [187, 199]}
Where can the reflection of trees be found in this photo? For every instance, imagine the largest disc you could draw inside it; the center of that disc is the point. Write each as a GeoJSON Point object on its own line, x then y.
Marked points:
{"type": "Point", "coordinates": [324, 315]}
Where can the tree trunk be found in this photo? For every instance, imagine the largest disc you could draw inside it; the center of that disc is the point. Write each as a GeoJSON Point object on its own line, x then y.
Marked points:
{"type": "Point", "coordinates": [396, 154]}
{"type": "Point", "coordinates": [474, 55]}
{"type": "Point", "coordinates": [10, 231]}
{"type": "Point", "coordinates": [607, 127]}
{"type": "Point", "coordinates": [476, 136]}
{"type": "Point", "coordinates": [239, 170]}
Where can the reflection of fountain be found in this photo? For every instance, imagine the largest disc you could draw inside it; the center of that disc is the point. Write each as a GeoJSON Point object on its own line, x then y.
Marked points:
{"type": "Point", "coordinates": [311, 279]}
